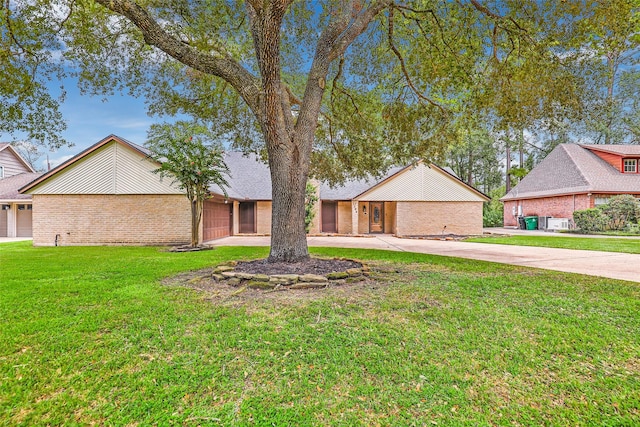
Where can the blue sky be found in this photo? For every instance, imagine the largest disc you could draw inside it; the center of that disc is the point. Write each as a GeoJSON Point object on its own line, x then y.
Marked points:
{"type": "Point", "coordinates": [91, 118]}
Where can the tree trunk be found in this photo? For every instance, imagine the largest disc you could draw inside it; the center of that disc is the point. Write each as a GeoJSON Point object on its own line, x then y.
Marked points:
{"type": "Point", "coordinates": [508, 166]}
{"type": "Point", "coordinates": [196, 214]}
{"type": "Point", "coordinates": [289, 171]}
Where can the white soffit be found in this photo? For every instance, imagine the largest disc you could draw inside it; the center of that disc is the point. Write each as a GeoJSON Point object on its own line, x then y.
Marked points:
{"type": "Point", "coordinates": [111, 169]}
{"type": "Point", "coordinates": [421, 183]}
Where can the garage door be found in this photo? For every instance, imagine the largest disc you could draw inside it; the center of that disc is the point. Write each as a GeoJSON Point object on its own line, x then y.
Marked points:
{"type": "Point", "coordinates": [23, 221]}
{"type": "Point", "coordinates": [3, 222]}
{"type": "Point", "coordinates": [216, 220]}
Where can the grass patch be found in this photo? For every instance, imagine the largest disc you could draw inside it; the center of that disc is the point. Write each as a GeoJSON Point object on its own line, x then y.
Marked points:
{"type": "Point", "coordinates": [91, 336]}
{"type": "Point", "coordinates": [630, 246]}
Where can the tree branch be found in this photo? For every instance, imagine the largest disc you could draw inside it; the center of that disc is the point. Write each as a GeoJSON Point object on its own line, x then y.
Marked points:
{"type": "Point", "coordinates": [223, 66]}
{"type": "Point", "coordinates": [405, 72]}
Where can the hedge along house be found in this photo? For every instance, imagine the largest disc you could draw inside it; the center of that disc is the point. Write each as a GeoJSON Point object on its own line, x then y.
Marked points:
{"type": "Point", "coordinates": [108, 194]}
{"type": "Point", "coordinates": [15, 208]}
{"type": "Point", "coordinates": [574, 177]}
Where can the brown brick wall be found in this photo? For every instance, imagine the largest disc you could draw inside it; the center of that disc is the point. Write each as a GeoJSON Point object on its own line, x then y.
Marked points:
{"type": "Point", "coordinates": [111, 219]}
{"type": "Point", "coordinates": [425, 218]}
{"type": "Point", "coordinates": [344, 218]}
{"type": "Point", "coordinates": [263, 217]}
{"type": "Point", "coordinates": [363, 217]}
{"type": "Point", "coordinates": [390, 217]}
{"type": "Point", "coordinates": [557, 207]}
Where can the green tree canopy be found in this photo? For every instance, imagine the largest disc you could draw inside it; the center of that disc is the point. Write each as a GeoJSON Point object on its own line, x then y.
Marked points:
{"type": "Point", "coordinates": [332, 88]}
{"type": "Point", "coordinates": [28, 47]}
{"type": "Point", "coordinates": [188, 157]}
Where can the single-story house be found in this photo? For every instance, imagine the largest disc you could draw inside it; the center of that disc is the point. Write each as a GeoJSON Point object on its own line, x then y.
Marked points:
{"type": "Point", "coordinates": [15, 208]}
{"type": "Point", "coordinates": [108, 194]}
{"type": "Point", "coordinates": [574, 177]}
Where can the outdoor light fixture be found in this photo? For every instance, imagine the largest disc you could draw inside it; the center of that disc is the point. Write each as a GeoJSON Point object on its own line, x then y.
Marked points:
{"type": "Point", "coordinates": [364, 209]}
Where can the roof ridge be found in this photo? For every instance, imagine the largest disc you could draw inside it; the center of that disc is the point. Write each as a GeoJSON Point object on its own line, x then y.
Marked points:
{"type": "Point", "coordinates": [577, 166]}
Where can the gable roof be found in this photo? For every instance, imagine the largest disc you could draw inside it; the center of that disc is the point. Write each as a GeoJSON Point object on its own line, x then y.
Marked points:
{"type": "Point", "coordinates": [7, 147]}
{"type": "Point", "coordinates": [574, 169]}
{"type": "Point", "coordinates": [249, 177]}
{"type": "Point", "coordinates": [423, 182]}
{"type": "Point", "coordinates": [351, 189]}
{"type": "Point", "coordinates": [111, 166]}
{"type": "Point", "coordinates": [619, 149]}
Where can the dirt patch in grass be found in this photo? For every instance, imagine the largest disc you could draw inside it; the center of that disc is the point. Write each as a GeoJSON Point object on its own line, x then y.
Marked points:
{"type": "Point", "coordinates": [380, 277]}
{"type": "Point", "coordinates": [319, 266]}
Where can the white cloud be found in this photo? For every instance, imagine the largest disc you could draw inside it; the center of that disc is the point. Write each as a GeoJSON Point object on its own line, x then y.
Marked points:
{"type": "Point", "coordinates": [55, 161]}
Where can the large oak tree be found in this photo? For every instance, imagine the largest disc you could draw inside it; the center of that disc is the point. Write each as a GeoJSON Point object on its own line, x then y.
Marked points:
{"type": "Point", "coordinates": [329, 88]}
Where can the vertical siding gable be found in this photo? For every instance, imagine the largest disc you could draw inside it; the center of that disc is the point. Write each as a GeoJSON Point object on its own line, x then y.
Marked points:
{"type": "Point", "coordinates": [111, 169]}
{"type": "Point", "coordinates": [90, 175]}
{"type": "Point", "coordinates": [421, 183]}
{"type": "Point", "coordinates": [134, 175]}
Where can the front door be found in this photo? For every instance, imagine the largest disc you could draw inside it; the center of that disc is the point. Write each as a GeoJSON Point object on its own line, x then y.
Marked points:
{"type": "Point", "coordinates": [247, 212]}
{"type": "Point", "coordinates": [376, 217]}
{"type": "Point", "coordinates": [329, 223]}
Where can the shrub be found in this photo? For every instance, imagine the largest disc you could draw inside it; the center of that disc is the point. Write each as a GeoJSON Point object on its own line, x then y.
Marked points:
{"type": "Point", "coordinates": [310, 199]}
{"type": "Point", "coordinates": [621, 211]}
{"type": "Point", "coordinates": [492, 211]}
{"type": "Point", "coordinates": [590, 220]}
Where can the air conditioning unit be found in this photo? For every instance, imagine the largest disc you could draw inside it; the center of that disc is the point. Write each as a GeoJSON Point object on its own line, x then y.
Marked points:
{"type": "Point", "coordinates": [543, 222]}
{"type": "Point", "coordinates": [557, 223]}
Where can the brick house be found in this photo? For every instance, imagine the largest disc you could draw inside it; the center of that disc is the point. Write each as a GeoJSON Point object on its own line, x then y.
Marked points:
{"type": "Point", "coordinates": [574, 177]}
{"type": "Point", "coordinates": [15, 208]}
{"type": "Point", "coordinates": [108, 194]}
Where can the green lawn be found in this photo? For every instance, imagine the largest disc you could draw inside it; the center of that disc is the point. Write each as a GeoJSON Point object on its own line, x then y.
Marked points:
{"type": "Point", "coordinates": [631, 246]}
{"type": "Point", "coordinates": [90, 336]}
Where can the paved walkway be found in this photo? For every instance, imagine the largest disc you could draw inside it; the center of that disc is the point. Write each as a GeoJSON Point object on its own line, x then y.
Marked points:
{"type": "Point", "coordinates": [518, 232]}
{"type": "Point", "coordinates": [604, 264]}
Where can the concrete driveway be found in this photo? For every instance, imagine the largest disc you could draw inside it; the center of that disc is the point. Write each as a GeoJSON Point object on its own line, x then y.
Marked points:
{"type": "Point", "coordinates": [604, 264]}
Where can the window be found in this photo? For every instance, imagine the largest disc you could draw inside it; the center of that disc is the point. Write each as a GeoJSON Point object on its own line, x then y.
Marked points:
{"type": "Point", "coordinates": [601, 200]}
{"type": "Point", "coordinates": [630, 165]}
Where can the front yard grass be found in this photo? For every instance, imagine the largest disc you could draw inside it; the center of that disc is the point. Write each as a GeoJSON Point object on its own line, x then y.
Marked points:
{"type": "Point", "coordinates": [90, 335]}
{"type": "Point", "coordinates": [630, 246]}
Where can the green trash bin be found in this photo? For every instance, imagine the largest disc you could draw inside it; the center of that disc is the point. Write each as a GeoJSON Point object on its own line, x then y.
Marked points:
{"type": "Point", "coordinates": [532, 222]}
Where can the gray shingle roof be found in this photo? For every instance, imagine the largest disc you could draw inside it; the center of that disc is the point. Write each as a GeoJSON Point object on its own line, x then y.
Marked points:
{"type": "Point", "coordinates": [623, 150]}
{"type": "Point", "coordinates": [353, 188]}
{"type": "Point", "coordinates": [572, 169]}
{"type": "Point", "coordinates": [250, 179]}
{"type": "Point", "coordinates": [9, 186]}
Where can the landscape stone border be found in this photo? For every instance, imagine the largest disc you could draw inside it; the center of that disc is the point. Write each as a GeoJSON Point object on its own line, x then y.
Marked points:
{"type": "Point", "coordinates": [226, 274]}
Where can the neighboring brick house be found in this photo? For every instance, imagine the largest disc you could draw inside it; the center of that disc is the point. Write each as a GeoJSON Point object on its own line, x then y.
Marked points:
{"type": "Point", "coordinates": [15, 208]}
{"type": "Point", "coordinates": [574, 177]}
{"type": "Point", "coordinates": [108, 195]}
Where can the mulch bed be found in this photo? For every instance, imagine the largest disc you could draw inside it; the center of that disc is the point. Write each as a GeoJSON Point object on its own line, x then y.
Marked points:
{"type": "Point", "coordinates": [311, 266]}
